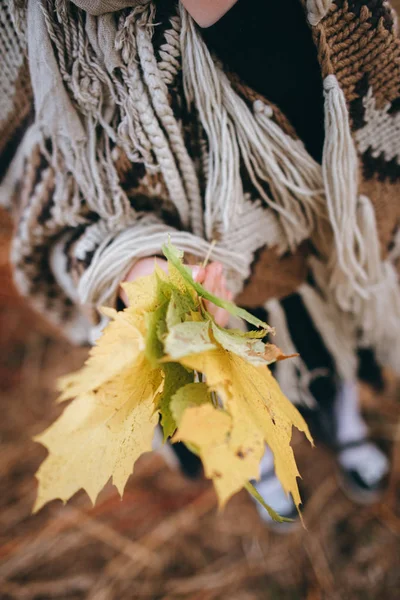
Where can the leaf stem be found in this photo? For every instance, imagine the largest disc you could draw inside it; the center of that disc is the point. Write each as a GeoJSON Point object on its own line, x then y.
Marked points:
{"type": "Point", "coordinates": [207, 258]}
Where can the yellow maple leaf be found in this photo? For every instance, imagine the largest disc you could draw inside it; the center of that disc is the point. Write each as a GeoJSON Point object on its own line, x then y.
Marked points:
{"type": "Point", "coordinates": [100, 435]}
{"type": "Point", "coordinates": [143, 292]}
{"type": "Point", "coordinates": [223, 445]}
{"type": "Point", "coordinates": [120, 345]}
{"type": "Point", "coordinates": [258, 408]}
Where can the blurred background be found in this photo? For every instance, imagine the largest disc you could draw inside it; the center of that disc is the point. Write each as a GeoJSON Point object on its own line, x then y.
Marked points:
{"type": "Point", "coordinates": [166, 539]}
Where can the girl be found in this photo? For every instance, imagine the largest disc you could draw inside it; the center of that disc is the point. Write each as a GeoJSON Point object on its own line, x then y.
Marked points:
{"type": "Point", "coordinates": [273, 132]}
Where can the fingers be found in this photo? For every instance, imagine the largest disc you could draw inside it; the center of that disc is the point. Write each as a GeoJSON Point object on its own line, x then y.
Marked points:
{"type": "Point", "coordinates": [215, 282]}
{"type": "Point", "coordinates": [212, 279]}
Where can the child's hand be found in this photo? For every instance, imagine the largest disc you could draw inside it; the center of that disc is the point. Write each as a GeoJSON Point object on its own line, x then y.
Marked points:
{"type": "Point", "coordinates": [211, 277]}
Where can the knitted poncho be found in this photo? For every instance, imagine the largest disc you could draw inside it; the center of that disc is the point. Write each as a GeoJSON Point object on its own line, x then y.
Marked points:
{"type": "Point", "coordinates": [129, 130]}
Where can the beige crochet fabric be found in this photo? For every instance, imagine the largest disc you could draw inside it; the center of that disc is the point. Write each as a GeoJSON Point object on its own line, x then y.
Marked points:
{"type": "Point", "coordinates": [100, 7]}
{"type": "Point", "coordinates": [139, 133]}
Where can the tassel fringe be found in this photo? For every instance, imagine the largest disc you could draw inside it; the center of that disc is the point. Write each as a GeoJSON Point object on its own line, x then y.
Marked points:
{"type": "Point", "coordinates": [340, 174]}
{"type": "Point", "coordinates": [237, 134]}
{"type": "Point", "coordinates": [378, 315]}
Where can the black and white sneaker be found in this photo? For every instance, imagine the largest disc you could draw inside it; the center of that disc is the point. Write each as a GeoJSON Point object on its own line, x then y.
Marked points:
{"type": "Point", "coordinates": [363, 467]}
{"type": "Point", "coordinates": [363, 471]}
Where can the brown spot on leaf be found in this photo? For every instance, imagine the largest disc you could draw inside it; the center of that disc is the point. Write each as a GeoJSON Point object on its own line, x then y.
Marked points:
{"type": "Point", "coordinates": [273, 353]}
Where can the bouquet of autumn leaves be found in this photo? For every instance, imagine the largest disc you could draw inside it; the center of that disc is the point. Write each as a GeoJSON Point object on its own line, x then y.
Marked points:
{"type": "Point", "coordinates": [163, 360]}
